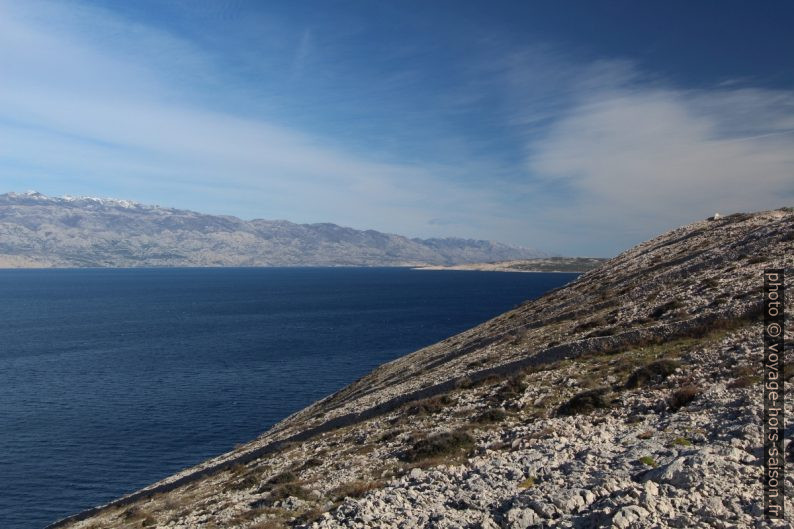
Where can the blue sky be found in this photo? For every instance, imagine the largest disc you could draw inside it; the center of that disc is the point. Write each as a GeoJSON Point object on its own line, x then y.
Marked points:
{"type": "Point", "coordinates": [574, 127]}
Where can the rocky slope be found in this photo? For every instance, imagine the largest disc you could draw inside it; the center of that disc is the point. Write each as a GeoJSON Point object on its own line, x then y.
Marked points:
{"type": "Point", "coordinates": [628, 398]}
{"type": "Point", "coordinates": [41, 231]}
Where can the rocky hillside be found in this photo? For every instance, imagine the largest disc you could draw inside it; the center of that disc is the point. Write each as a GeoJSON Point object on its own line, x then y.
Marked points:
{"type": "Point", "coordinates": [41, 231]}
{"type": "Point", "coordinates": [628, 398]}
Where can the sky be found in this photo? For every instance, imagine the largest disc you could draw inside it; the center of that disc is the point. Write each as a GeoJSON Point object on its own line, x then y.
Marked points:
{"type": "Point", "coordinates": [573, 127]}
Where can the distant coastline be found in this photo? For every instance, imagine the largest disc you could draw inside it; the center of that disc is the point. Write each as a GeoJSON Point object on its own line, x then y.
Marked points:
{"type": "Point", "coordinates": [547, 264]}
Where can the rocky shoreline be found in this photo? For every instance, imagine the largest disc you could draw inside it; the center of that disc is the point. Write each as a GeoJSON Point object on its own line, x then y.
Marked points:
{"type": "Point", "coordinates": [629, 398]}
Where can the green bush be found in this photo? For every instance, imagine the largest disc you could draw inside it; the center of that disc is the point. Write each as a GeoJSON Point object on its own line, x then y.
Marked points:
{"type": "Point", "coordinates": [649, 461]}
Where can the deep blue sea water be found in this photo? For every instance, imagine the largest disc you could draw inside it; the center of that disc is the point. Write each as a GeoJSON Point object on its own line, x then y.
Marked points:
{"type": "Point", "coordinates": [113, 379]}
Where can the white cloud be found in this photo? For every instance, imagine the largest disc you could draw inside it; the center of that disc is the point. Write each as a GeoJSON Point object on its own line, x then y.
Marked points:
{"type": "Point", "coordinates": [642, 160]}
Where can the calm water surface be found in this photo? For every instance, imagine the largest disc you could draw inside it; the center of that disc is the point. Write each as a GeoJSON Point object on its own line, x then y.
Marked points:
{"type": "Point", "coordinates": [113, 379]}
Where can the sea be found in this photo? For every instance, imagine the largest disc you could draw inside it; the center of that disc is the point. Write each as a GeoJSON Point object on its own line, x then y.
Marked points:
{"type": "Point", "coordinates": [111, 379]}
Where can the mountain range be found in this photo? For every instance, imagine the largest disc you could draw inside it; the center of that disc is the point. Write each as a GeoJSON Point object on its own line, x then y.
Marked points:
{"type": "Point", "coordinates": [41, 231]}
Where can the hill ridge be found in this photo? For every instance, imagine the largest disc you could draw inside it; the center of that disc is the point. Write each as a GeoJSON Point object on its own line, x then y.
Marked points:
{"type": "Point", "coordinates": [585, 407]}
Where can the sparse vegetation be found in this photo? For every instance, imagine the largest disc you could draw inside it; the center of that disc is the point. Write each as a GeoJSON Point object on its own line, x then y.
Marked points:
{"type": "Point", "coordinates": [682, 441]}
{"type": "Point", "coordinates": [527, 483]}
{"type": "Point", "coordinates": [649, 461]}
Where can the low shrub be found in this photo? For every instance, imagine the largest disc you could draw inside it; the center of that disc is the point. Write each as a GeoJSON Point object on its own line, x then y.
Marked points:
{"type": "Point", "coordinates": [513, 388]}
{"type": "Point", "coordinates": [652, 373]}
{"type": "Point", "coordinates": [682, 441]}
{"type": "Point", "coordinates": [592, 324]}
{"type": "Point", "coordinates": [585, 402]}
{"type": "Point", "coordinates": [269, 524]}
{"type": "Point", "coordinates": [490, 416]}
{"type": "Point", "coordinates": [282, 492]}
{"type": "Point", "coordinates": [284, 477]}
{"type": "Point", "coordinates": [442, 444]}
{"type": "Point", "coordinates": [664, 308]}
{"type": "Point", "coordinates": [354, 489]}
{"type": "Point", "coordinates": [684, 396]}
{"type": "Point", "coordinates": [389, 435]}
{"type": "Point", "coordinates": [600, 333]}
{"type": "Point", "coordinates": [247, 482]}
{"type": "Point", "coordinates": [468, 383]}
{"type": "Point", "coordinates": [312, 462]}
{"type": "Point", "coordinates": [309, 517]}
{"type": "Point", "coordinates": [737, 217]}
{"type": "Point", "coordinates": [428, 406]}
{"type": "Point", "coordinates": [743, 382]}
{"type": "Point", "coordinates": [744, 371]}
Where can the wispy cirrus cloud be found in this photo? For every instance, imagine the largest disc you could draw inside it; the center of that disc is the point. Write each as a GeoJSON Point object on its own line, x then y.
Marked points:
{"type": "Point", "coordinates": [83, 119]}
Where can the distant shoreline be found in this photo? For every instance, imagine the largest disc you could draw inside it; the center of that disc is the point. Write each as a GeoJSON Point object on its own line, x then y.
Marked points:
{"type": "Point", "coordinates": [511, 270]}
{"type": "Point", "coordinates": [559, 265]}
